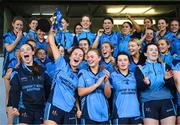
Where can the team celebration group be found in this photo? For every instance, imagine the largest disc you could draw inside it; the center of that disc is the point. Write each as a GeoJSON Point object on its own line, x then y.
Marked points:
{"type": "Point", "coordinates": [131, 76]}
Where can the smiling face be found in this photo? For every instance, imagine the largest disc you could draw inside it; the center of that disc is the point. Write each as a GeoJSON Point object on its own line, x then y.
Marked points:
{"type": "Point", "coordinates": [78, 29]}
{"type": "Point", "coordinates": [126, 29]}
{"type": "Point", "coordinates": [33, 25]}
{"type": "Point", "coordinates": [163, 46]}
{"type": "Point", "coordinates": [133, 47]}
{"type": "Point", "coordinates": [27, 53]}
{"type": "Point", "coordinates": [85, 22]}
{"type": "Point", "coordinates": [147, 23]}
{"type": "Point", "coordinates": [17, 26]}
{"type": "Point", "coordinates": [174, 26]}
{"type": "Point", "coordinates": [150, 35]}
{"type": "Point", "coordinates": [40, 34]}
{"type": "Point", "coordinates": [108, 26]}
{"type": "Point", "coordinates": [162, 25]}
{"type": "Point", "coordinates": [106, 50]}
{"type": "Point", "coordinates": [123, 62]}
{"type": "Point", "coordinates": [65, 24]}
{"type": "Point", "coordinates": [76, 57]}
{"type": "Point", "coordinates": [41, 54]}
{"type": "Point", "coordinates": [83, 44]}
{"type": "Point", "coordinates": [152, 53]}
{"type": "Point", "coordinates": [93, 58]}
{"type": "Point", "coordinates": [61, 50]}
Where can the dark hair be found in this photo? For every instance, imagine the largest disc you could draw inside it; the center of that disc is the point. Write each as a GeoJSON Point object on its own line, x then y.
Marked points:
{"type": "Point", "coordinates": [36, 69]}
{"type": "Point", "coordinates": [177, 20]}
{"type": "Point", "coordinates": [75, 49]}
{"type": "Point", "coordinates": [38, 49]}
{"type": "Point", "coordinates": [151, 29]}
{"type": "Point", "coordinates": [31, 19]}
{"type": "Point", "coordinates": [166, 40]}
{"type": "Point", "coordinates": [78, 24]}
{"type": "Point", "coordinates": [130, 25]}
{"type": "Point", "coordinates": [165, 19]}
{"type": "Point", "coordinates": [66, 19]}
{"type": "Point", "coordinates": [95, 50]}
{"type": "Point", "coordinates": [123, 53]}
{"type": "Point", "coordinates": [43, 25]}
{"type": "Point", "coordinates": [146, 47]}
{"type": "Point", "coordinates": [86, 15]}
{"type": "Point", "coordinates": [18, 18]}
{"type": "Point", "coordinates": [86, 39]}
{"type": "Point", "coordinates": [110, 44]}
{"type": "Point", "coordinates": [108, 18]}
{"type": "Point", "coordinates": [15, 19]}
{"type": "Point", "coordinates": [148, 18]}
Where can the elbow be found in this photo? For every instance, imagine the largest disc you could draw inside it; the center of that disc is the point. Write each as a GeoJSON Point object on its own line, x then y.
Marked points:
{"type": "Point", "coordinates": [80, 92]}
{"type": "Point", "coordinates": [108, 93]}
{"type": "Point", "coordinates": [8, 49]}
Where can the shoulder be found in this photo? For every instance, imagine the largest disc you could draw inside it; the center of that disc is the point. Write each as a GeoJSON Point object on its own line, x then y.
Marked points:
{"type": "Point", "coordinates": [82, 72]}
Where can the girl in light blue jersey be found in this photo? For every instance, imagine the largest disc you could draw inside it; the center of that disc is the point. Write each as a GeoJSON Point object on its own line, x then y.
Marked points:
{"type": "Point", "coordinates": [94, 89]}
{"type": "Point", "coordinates": [107, 61]}
{"type": "Point", "coordinates": [165, 33]}
{"type": "Point", "coordinates": [33, 23]}
{"type": "Point", "coordinates": [174, 27]}
{"type": "Point", "coordinates": [164, 48]}
{"type": "Point", "coordinates": [65, 38]}
{"type": "Point", "coordinates": [12, 42]}
{"type": "Point", "coordinates": [153, 83]}
{"type": "Point", "coordinates": [126, 108]}
{"type": "Point", "coordinates": [86, 32]}
{"type": "Point", "coordinates": [107, 35]}
{"type": "Point", "coordinates": [60, 108]}
{"type": "Point", "coordinates": [40, 40]}
{"type": "Point", "coordinates": [85, 45]}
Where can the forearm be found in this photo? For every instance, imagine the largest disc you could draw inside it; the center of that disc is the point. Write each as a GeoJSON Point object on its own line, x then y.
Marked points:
{"type": "Point", "coordinates": [53, 46]}
{"type": "Point", "coordinates": [87, 90]}
{"type": "Point", "coordinates": [107, 90]}
{"type": "Point", "coordinates": [136, 26]}
{"type": "Point", "coordinates": [11, 47]}
{"type": "Point", "coordinates": [96, 42]}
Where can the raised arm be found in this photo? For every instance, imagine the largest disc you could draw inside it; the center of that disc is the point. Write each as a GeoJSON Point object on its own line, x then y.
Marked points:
{"type": "Point", "coordinates": [10, 47]}
{"type": "Point", "coordinates": [53, 46]}
{"type": "Point", "coordinates": [136, 26]}
{"type": "Point", "coordinates": [82, 91]}
{"type": "Point", "coordinates": [96, 41]}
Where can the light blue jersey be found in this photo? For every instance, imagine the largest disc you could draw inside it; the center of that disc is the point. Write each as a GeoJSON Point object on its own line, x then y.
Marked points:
{"type": "Point", "coordinates": [65, 39]}
{"type": "Point", "coordinates": [109, 66]}
{"type": "Point", "coordinates": [89, 35]}
{"type": "Point", "coordinates": [42, 44]}
{"type": "Point", "coordinates": [113, 38]}
{"type": "Point", "coordinates": [10, 59]}
{"type": "Point", "coordinates": [65, 82]}
{"type": "Point", "coordinates": [156, 74]}
{"type": "Point", "coordinates": [95, 102]}
{"type": "Point", "coordinates": [167, 58]}
{"type": "Point", "coordinates": [31, 34]}
{"type": "Point", "coordinates": [123, 43]}
{"type": "Point", "coordinates": [125, 100]}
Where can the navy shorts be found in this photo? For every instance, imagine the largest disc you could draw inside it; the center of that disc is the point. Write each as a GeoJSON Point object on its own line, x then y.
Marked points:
{"type": "Point", "coordinates": [128, 121]}
{"type": "Point", "coordinates": [30, 117]}
{"type": "Point", "coordinates": [158, 109]}
{"type": "Point", "coordinates": [91, 122]}
{"type": "Point", "coordinates": [178, 110]}
{"type": "Point", "coordinates": [59, 116]}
